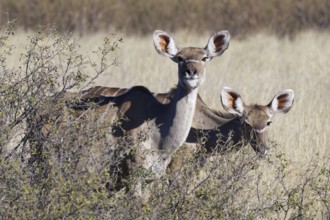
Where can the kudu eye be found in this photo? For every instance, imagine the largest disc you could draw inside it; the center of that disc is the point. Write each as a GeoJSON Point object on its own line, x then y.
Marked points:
{"type": "Point", "coordinates": [269, 122]}
{"type": "Point", "coordinates": [204, 59]}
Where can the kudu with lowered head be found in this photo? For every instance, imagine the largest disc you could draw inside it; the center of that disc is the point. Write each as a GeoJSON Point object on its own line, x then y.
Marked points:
{"type": "Point", "coordinates": [246, 124]}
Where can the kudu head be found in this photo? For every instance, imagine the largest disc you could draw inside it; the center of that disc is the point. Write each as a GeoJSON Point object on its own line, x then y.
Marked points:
{"type": "Point", "coordinates": [256, 119]}
{"type": "Point", "coordinates": [191, 60]}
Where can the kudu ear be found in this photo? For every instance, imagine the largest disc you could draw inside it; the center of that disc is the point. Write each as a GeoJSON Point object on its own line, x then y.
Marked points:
{"type": "Point", "coordinates": [218, 43]}
{"type": "Point", "coordinates": [165, 44]}
{"type": "Point", "coordinates": [282, 102]}
{"type": "Point", "coordinates": [232, 101]}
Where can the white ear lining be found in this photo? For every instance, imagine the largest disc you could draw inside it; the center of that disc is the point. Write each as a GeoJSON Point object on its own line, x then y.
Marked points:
{"type": "Point", "coordinates": [274, 105]}
{"type": "Point", "coordinates": [285, 106]}
{"type": "Point", "coordinates": [170, 49]}
{"type": "Point", "coordinates": [212, 48]}
{"type": "Point", "coordinates": [237, 107]}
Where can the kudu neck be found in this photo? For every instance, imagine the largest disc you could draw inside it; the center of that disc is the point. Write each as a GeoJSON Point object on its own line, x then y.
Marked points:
{"type": "Point", "coordinates": [179, 119]}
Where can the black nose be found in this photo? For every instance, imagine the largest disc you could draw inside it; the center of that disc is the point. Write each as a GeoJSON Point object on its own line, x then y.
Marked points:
{"type": "Point", "coordinates": [191, 72]}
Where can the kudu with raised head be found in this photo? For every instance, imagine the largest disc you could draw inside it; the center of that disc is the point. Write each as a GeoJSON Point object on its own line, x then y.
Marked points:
{"type": "Point", "coordinates": [165, 127]}
{"type": "Point", "coordinates": [241, 125]}
{"type": "Point", "coordinates": [245, 124]}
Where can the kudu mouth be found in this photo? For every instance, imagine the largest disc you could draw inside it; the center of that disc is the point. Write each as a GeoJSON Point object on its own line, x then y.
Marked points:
{"type": "Point", "coordinates": [191, 78]}
{"type": "Point", "coordinates": [190, 82]}
{"type": "Point", "coordinates": [262, 152]}
{"type": "Point", "coordinates": [258, 145]}
{"type": "Point", "coordinates": [259, 149]}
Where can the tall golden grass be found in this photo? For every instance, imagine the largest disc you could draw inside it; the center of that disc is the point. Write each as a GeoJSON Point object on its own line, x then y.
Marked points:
{"type": "Point", "coordinates": [257, 67]}
{"type": "Point", "coordinates": [239, 16]}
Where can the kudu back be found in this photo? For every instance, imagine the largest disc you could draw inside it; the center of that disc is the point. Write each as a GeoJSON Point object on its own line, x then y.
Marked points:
{"type": "Point", "coordinates": [240, 125]}
{"type": "Point", "coordinates": [156, 129]}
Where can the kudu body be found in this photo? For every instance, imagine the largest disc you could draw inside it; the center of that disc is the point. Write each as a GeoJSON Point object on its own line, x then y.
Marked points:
{"type": "Point", "coordinates": [247, 124]}
{"type": "Point", "coordinates": [157, 130]}
{"type": "Point", "coordinates": [241, 125]}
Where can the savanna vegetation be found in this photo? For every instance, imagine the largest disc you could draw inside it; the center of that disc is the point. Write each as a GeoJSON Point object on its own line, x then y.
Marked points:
{"type": "Point", "coordinates": [73, 172]}
{"type": "Point", "coordinates": [240, 17]}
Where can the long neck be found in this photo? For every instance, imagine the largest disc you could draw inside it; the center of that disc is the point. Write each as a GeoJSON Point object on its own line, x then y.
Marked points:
{"type": "Point", "coordinates": [179, 118]}
{"type": "Point", "coordinates": [206, 118]}
{"type": "Point", "coordinates": [233, 131]}
{"type": "Point", "coordinates": [228, 133]}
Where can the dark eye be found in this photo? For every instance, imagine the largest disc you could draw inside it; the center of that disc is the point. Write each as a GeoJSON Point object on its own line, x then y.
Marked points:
{"type": "Point", "coordinates": [204, 59]}
{"type": "Point", "coordinates": [269, 122]}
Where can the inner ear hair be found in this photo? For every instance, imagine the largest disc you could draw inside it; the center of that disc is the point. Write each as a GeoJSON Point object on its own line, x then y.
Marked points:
{"type": "Point", "coordinates": [164, 42]}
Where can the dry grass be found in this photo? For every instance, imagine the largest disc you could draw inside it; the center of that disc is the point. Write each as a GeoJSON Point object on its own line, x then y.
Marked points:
{"type": "Point", "coordinates": [257, 67]}
{"type": "Point", "coordinates": [241, 17]}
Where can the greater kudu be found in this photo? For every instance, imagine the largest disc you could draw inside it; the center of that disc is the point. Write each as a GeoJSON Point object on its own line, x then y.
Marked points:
{"type": "Point", "coordinates": [241, 125]}
{"type": "Point", "coordinates": [165, 127]}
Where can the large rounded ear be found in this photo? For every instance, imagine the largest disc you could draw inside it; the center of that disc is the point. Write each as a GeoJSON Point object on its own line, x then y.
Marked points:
{"type": "Point", "coordinates": [165, 44]}
{"type": "Point", "coordinates": [218, 43]}
{"type": "Point", "coordinates": [232, 101]}
{"type": "Point", "coordinates": [282, 102]}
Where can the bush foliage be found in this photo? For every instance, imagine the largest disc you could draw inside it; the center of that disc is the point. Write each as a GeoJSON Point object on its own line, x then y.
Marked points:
{"type": "Point", "coordinates": [240, 17]}
{"type": "Point", "coordinates": [69, 173]}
